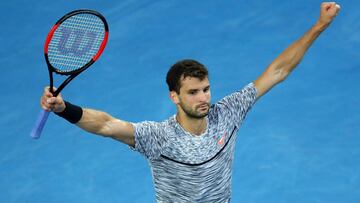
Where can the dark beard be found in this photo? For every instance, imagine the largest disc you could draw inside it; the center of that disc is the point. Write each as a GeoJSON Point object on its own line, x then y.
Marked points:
{"type": "Point", "coordinates": [194, 114]}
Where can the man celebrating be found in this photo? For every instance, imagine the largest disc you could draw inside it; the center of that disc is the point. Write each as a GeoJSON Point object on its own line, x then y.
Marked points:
{"type": "Point", "coordinates": [191, 153]}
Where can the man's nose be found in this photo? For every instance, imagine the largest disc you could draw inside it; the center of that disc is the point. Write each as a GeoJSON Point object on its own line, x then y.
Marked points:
{"type": "Point", "coordinates": [203, 96]}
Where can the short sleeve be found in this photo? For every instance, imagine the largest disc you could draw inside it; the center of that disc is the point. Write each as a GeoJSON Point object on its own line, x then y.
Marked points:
{"type": "Point", "coordinates": [148, 139]}
{"type": "Point", "coordinates": [235, 106]}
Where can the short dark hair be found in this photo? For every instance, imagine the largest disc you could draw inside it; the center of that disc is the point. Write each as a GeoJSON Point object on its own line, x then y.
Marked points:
{"type": "Point", "coordinates": [182, 69]}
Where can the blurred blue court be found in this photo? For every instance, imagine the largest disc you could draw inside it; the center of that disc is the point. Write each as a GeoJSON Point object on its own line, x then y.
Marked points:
{"type": "Point", "coordinates": [300, 143]}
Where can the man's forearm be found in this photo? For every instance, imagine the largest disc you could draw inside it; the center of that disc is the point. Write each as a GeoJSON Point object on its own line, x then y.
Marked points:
{"type": "Point", "coordinates": [293, 54]}
{"type": "Point", "coordinates": [101, 123]}
{"type": "Point", "coordinates": [280, 68]}
{"type": "Point", "coordinates": [93, 121]}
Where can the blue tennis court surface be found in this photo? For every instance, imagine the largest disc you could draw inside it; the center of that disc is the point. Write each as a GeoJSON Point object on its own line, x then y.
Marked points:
{"type": "Point", "coordinates": [300, 143]}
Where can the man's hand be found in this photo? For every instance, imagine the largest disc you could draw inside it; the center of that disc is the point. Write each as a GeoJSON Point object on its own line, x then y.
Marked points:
{"type": "Point", "coordinates": [50, 103]}
{"type": "Point", "coordinates": [328, 12]}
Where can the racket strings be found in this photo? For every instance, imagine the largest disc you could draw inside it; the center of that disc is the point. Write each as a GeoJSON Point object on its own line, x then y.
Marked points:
{"type": "Point", "coordinates": [75, 42]}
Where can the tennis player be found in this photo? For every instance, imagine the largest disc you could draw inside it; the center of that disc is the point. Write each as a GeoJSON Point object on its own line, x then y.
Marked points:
{"type": "Point", "coordinates": [191, 153]}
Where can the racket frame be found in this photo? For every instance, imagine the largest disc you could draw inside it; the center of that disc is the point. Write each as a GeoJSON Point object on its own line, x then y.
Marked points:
{"type": "Point", "coordinates": [74, 73]}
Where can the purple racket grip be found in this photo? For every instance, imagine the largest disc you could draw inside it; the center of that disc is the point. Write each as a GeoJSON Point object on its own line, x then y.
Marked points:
{"type": "Point", "coordinates": [39, 125]}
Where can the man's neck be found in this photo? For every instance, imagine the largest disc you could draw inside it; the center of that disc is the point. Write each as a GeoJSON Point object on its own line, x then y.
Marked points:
{"type": "Point", "coordinates": [195, 126]}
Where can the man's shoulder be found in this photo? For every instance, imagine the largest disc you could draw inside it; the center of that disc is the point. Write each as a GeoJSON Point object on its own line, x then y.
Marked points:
{"type": "Point", "coordinates": [233, 102]}
{"type": "Point", "coordinates": [248, 90]}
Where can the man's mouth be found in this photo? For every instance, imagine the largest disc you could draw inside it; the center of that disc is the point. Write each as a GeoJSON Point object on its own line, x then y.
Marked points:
{"type": "Point", "coordinates": [203, 106]}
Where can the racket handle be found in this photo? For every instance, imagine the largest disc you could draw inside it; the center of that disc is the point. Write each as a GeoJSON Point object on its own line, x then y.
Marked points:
{"type": "Point", "coordinates": [39, 125]}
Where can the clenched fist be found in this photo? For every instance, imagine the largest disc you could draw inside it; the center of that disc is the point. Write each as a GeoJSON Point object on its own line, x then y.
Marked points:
{"type": "Point", "coordinates": [328, 12]}
{"type": "Point", "coordinates": [50, 103]}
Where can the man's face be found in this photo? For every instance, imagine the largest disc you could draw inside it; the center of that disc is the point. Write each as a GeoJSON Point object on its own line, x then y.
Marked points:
{"type": "Point", "coordinates": [194, 97]}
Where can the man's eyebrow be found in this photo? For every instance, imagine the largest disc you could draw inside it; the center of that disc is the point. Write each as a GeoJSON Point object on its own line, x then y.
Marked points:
{"type": "Point", "coordinates": [190, 90]}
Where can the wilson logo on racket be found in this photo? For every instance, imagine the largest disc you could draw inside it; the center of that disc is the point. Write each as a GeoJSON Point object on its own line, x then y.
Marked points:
{"type": "Point", "coordinates": [76, 41]}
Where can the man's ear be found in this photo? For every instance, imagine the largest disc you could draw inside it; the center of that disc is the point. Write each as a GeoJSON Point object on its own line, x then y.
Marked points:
{"type": "Point", "coordinates": [174, 97]}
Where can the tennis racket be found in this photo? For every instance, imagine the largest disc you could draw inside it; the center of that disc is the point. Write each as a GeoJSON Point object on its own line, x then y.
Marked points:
{"type": "Point", "coordinates": [73, 44]}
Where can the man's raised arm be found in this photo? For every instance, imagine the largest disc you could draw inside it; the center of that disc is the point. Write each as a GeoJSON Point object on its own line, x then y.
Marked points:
{"type": "Point", "coordinates": [282, 66]}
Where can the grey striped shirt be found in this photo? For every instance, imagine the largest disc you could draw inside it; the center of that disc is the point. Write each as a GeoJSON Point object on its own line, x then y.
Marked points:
{"type": "Point", "coordinates": [188, 168]}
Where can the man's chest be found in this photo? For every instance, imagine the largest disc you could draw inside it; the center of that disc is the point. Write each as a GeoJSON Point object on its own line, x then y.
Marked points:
{"type": "Point", "coordinates": [184, 147]}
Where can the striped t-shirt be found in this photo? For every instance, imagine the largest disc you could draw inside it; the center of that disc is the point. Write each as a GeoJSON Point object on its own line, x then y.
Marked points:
{"type": "Point", "coordinates": [190, 168]}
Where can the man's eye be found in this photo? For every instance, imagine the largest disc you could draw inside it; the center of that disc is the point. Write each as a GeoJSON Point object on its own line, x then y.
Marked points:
{"type": "Point", "coordinates": [192, 92]}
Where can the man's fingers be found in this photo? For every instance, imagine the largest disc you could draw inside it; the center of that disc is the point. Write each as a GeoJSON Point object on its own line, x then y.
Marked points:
{"type": "Point", "coordinates": [45, 106]}
{"type": "Point", "coordinates": [48, 102]}
{"type": "Point", "coordinates": [330, 5]}
{"type": "Point", "coordinates": [329, 10]}
{"type": "Point", "coordinates": [327, 5]}
{"type": "Point", "coordinates": [47, 94]}
{"type": "Point", "coordinates": [53, 100]}
{"type": "Point", "coordinates": [337, 7]}
{"type": "Point", "coordinates": [47, 90]}
{"type": "Point", "coordinates": [53, 104]}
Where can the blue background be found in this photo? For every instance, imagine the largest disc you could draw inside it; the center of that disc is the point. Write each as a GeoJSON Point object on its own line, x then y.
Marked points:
{"type": "Point", "coordinates": [300, 142]}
